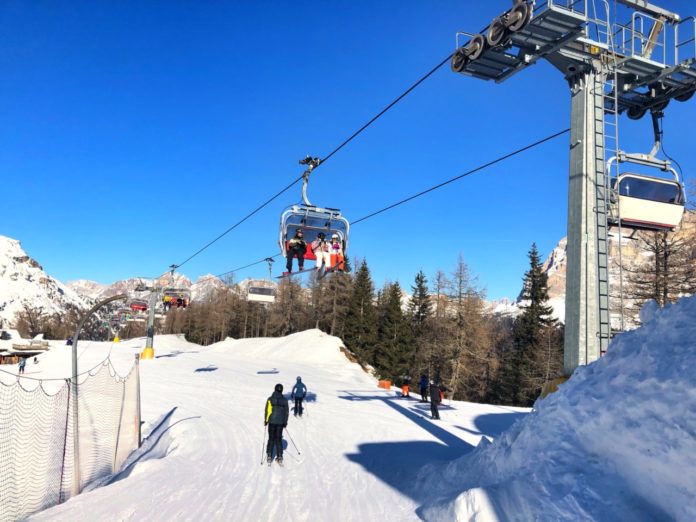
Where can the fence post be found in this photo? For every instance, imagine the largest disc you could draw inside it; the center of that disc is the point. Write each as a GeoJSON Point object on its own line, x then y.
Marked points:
{"type": "Point", "coordinates": [75, 488]}
{"type": "Point", "coordinates": [137, 380]}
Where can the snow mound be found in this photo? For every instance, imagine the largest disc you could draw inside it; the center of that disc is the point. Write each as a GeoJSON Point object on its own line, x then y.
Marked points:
{"type": "Point", "coordinates": [310, 347]}
{"type": "Point", "coordinates": [616, 442]}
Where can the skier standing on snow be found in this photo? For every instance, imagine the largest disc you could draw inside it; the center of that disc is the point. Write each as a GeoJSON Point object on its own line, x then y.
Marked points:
{"type": "Point", "coordinates": [435, 399]}
{"type": "Point", "coordinates": [298, 393]}
{"type": "Point", "coordinates": [276, 418]}
{"type": "Point", "coordinates": [22, 364]}
{"type": "Point", "coordinates": [423, 383]}
{"type": "Point", "coordinates": [406, 384]}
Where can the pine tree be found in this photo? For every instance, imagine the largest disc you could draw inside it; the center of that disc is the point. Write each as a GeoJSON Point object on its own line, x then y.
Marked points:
{"type": "Point", "coordinates": [360, 329]}
{"type": "Point", "coordinates": [394, 347]}
{"type": "Point", "coordinates": [420, 311]}
{"type": "Point", "coordinates": [419, 305]}
{"type": "Point", "coordinates": [530, 330]}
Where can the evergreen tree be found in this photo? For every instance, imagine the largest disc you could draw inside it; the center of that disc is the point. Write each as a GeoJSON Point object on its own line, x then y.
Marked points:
{"type": "Point", "coordinates": [530, 330]}
{"type": "Point", "coordinates": [419, 306]}
{"type": "Point", "coordinates": [394, 347]}
{"type": "Point", "coordinates": [420, 312]}
{"type": "Point", "coordinates": [360, 328]}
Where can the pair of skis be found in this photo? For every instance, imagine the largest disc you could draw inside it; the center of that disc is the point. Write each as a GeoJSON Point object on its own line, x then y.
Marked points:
{"type": "Point", "coordinates": [322, 273]}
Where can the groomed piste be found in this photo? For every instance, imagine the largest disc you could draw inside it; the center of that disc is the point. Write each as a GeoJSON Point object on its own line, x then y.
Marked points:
{"type": "Point", "coordinates": [618, 441]}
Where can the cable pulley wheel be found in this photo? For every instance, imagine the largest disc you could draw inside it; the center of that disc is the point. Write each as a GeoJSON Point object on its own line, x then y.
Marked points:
{"type": "Point", "coordinates": [497, 32]}
{"type": "Point", "coordinates": [474, 49]}
{"type": "Point", "coordinates": [636, 113]}
{"type": "Point", "coordinates": [459, 60]}
{"type": "Point", "coordinates": [684, 97]}
{"type": "Point", "coordinates": [518, 17]}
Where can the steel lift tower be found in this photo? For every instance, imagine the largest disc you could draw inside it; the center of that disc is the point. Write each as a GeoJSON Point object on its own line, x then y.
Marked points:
{"type": "Point", "coordinates": [611, 68]}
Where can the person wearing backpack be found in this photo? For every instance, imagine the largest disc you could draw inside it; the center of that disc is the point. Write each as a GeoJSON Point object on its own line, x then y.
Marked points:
{"type": "Point", "coordinates": [276, 418]}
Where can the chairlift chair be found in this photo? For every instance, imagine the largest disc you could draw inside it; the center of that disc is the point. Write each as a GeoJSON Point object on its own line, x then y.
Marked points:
{"type": "Point", "coordinates": [261, 292]}
{"type": "Point", "coordinates": [647, 202]}
{"type": "Point", "coordinates": [175, 297]}
{"type": "Point", "coordinates": [311, 219]}
{"type": "Point", "coordinates": [642, 201]}
{"type": "Point", "coordinates": [138, 305]}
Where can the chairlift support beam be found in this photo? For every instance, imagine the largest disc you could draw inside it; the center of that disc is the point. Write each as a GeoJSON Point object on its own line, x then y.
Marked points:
{"type": "Point", "coordinates": [637, 75]}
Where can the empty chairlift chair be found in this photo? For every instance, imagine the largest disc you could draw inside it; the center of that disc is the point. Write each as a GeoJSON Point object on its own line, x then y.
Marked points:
{"type": "Point", "coordinates": [261, 292]}
{"type": "Point", "coordinates": [647, 202]}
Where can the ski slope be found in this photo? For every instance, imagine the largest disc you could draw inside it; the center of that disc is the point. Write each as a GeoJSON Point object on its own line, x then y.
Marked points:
{"type": "Point", "coordinates": [616, 442]}
{"type": "Point", "coordinates": [362, 448]}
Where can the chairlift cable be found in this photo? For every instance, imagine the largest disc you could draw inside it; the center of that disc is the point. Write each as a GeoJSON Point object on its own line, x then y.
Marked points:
{"type": "Point", "coordinates": [472, 171]}
{"type": "Point", "coordinates": [383, 111]}
{"type": "Point", "coordinates": [267, 202]}
{"type": "Point", "coordinates": [247, 266]}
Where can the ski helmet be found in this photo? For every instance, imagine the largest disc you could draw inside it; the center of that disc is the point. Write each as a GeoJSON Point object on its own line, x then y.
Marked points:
{"type": "Point", "coordinates": [299, 378]}
{"type": "Point", "coordinates": [279, 388]}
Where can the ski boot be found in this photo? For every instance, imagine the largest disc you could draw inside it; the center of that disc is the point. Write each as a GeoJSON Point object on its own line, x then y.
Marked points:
{"type": "Point", "coordinates": [280, 461]}
{"type": "Point", "coordinates": [269, 460]}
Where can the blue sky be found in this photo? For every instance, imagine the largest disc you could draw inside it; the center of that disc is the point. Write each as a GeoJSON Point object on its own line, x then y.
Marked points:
{"type": "Point", "coordinates": [132, 133]}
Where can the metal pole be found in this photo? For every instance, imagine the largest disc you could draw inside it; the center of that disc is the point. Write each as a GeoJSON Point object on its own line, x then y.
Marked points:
{"type": "Point", "coordinates": [137, 377]}
{"type": "Point", "coordinates": [581, 345]}
{"type": "Point", "coordinates": [75, 489]}
{"type": "Point", "coordinates": [149, 352]}
{"type": "Point", "coordinates": [263, 443]}
{"type": "Point", "coordinates": [293, 442]}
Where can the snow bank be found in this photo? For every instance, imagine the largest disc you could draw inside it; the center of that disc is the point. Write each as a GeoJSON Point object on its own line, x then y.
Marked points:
{"type": "Point", "coordinates": [616, 442]}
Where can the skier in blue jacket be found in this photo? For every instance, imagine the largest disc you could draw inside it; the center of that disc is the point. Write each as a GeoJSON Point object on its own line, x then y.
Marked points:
{"type": "Point", "coordinates": [423, 383]}
{"type": "Point", "coordinates": [299, 391]}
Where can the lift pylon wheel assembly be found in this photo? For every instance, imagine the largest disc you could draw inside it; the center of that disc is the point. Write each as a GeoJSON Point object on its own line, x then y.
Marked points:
{"type": "Point", "coordinates": [611, 69]}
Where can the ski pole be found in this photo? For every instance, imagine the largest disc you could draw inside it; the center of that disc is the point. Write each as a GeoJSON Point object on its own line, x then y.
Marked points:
{"type": "Point", "coordinates": [293, 442]}
{"type": "Point", "coordinates": [263, 443]}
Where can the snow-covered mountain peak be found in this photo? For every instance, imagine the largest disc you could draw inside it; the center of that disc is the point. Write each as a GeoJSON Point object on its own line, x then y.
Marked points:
{"type": "Point", "coordinates": [24, 284]}
{"type": "Point", "coordinates": [205, 286]}
{"type": "Point", "coordinates": [87, 288]}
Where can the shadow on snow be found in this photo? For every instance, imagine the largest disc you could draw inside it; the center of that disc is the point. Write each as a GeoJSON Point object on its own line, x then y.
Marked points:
{"type": "Point", "coordinates": [398, 463]}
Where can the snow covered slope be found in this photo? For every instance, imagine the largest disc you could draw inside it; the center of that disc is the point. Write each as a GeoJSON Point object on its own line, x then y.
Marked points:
{"type": "Point", "coordinates": [24, 282]}
{"type": "Point", "coordinates": [87, 288]}
{"type": "Point", "coordinates": [360, 447]}
{"type": "Point", "coordinates": [616, 442]}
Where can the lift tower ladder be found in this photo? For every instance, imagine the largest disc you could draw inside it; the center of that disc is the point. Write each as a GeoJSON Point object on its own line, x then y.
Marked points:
{"type": "Point", "coordinates": [611, 69]}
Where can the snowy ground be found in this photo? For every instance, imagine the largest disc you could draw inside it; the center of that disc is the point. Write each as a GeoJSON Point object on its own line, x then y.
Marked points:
{"type": "Point", "coordinates": [616, 442]}
{"type": "Point", "coordinates": [362, 448]}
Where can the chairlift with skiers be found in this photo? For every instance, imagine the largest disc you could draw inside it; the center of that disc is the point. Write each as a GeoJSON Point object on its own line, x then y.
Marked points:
{"type": "Point", "coordinates": [311, 220]}
{"type": "Point", "coordinates": [175, 297]}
